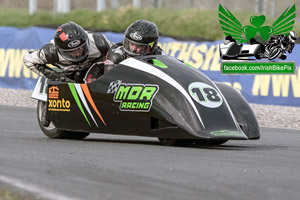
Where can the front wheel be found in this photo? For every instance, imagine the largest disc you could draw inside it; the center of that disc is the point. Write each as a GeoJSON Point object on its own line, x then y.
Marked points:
{"type": "Point", "coordinates": [175, 142]}
{"type": "Point", "coordinates": [51, 131]}
{"type": "Point", "coordinates": [274, 53]}
{"type": "Point", "coordinates": [210, 142]}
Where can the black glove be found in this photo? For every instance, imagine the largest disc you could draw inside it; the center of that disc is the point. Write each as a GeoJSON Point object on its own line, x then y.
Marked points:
{"type": "Point", "coordinates": [53, 75]}
{"type": "Point", "coordinates": [58, 76]}
{"type": "Point", "coordinates": [64, 78]}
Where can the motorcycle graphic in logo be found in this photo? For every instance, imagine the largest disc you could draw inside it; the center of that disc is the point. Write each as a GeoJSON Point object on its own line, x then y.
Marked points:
{"type": "Point", "coordinates": [265, 41]}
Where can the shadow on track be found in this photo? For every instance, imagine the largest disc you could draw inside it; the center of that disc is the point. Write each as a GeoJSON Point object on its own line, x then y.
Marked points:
{"type": "Point", "coordinates": [223, 147]}
{"type": "Point", "coordinates": [232, 145]}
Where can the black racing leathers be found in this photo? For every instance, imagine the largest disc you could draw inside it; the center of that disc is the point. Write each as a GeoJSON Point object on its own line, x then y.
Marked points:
{"type": "Point", "coordinates": [116, 53]}
{"type": "Point", "coordinates": [37, 60]}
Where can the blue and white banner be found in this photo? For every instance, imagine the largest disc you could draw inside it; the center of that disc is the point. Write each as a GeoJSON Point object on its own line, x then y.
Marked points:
{"type": "Point", "coordinates": [261, 89]}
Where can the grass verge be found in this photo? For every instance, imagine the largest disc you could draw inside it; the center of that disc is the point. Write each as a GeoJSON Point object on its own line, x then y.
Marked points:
{"type": "Point", "coordinates": [6, 195]}
{"type": "Point", "coordinates": [177, 23]}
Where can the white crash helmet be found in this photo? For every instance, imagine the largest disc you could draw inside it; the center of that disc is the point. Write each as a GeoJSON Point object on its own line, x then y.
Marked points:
{"type": "Point", "coordinates": [293, 36]}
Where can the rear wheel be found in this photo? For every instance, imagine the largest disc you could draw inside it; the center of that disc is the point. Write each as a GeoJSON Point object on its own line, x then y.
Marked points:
{"type": "Point", "coordinates": [51, 131]}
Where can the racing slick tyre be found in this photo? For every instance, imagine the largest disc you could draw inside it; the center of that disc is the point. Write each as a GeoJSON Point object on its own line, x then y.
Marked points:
{"type": "Point", "coordinates": [51, 131]}
{"type": "Point", "coordinates": [175, 142]}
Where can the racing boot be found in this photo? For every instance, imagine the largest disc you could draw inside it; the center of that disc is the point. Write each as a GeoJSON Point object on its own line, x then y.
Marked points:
{"type": "Point", "coordinates": [44, 120]}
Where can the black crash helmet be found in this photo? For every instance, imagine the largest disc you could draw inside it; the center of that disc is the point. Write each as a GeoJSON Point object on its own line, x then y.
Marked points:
{"type": "Point", "coordinates": [72, 42]}
{"type": "Point", "coordinates": [140, 38]}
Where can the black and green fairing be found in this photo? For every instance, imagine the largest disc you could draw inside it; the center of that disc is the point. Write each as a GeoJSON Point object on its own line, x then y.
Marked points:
{"type": "Point", "coordinates": [181, 103]}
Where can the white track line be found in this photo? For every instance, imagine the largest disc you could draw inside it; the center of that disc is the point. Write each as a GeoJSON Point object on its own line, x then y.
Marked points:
{"type": "Point", "coordinates": [42, 193]}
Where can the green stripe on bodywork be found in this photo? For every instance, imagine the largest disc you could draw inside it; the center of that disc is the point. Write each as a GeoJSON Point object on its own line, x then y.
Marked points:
{"type": "Point", "coordinates": [225, 133]}
{"type": "Point", "coordinates": [188, 65]}
{"type": "Point", "coordinates": [74, 93]}
{"type": "Point", "coordinates": [157, 63]}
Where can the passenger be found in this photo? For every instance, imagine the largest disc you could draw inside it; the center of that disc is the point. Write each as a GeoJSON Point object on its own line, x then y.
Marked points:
{"type": "Point", "coordinates": [73, 50]}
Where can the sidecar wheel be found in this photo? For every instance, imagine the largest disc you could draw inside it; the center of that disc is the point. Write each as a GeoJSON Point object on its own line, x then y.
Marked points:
{"type": "Point", "coordinates": [258, 56]}
{"type": "Point", "coordinates": [175, 142]}
{"type": "Point", "coordinates": [51, 131]}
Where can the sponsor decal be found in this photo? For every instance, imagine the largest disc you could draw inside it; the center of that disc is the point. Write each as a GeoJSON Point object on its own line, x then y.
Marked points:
{"type": "Point", "coordinates": [136, 36]}
{"type": "Point", "coordinates": [63, 36]}
{"type": "Point", "coordinates": [133, 97]}
{"type": "Point", "coordinates": [225, 133]}
{"type": "Point", "coordinates": [55, 104]}
{"type": "Point", "coordinates": [53, 92]}
{"type": "Point", "coordinates": [74, 43]}
{"type": "Point", "coordinates": [113, 86]}
{"type": "Point", "coordinates": [205, 95]}
{"type": "Point", "coordinates": [59, 105]}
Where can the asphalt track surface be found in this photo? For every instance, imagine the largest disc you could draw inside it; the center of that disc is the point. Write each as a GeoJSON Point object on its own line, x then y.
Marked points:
{"type": "Point", "coordinates": [138, 168]}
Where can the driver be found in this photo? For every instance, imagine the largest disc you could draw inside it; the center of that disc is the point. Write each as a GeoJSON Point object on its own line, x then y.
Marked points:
{"type": "Point", "coordinates": [140, 39]}
{"type": "Point", "coordinates": [73, 50]}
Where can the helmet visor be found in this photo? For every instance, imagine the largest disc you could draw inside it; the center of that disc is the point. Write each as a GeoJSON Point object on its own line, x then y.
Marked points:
{"type": "Point", "coordinates": [292, 38]}
{"type": "Point", "coordinates": [133, 48]}
{"type": "Point", "coordinates": [75, 55]}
